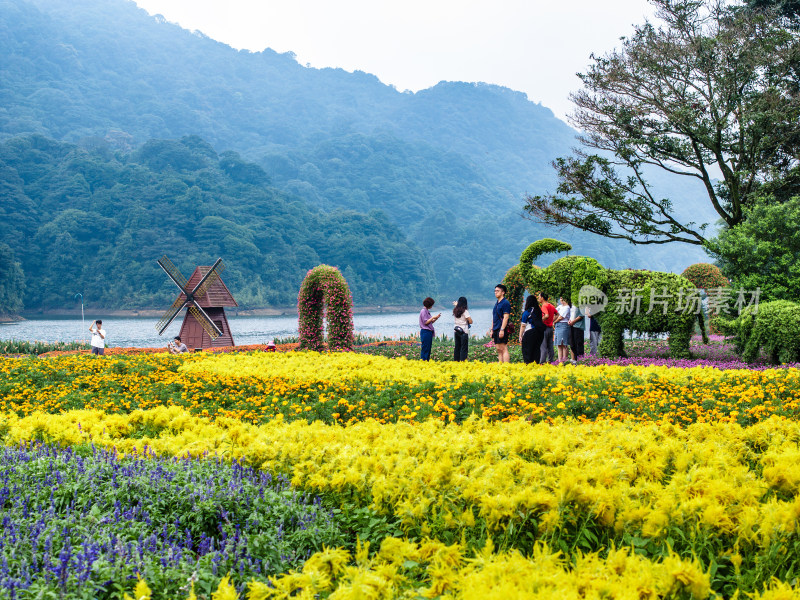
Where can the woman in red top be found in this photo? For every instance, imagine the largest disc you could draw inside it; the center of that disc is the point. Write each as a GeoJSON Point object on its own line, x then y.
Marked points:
{"type": "Point", "coordinates": [548, 313]}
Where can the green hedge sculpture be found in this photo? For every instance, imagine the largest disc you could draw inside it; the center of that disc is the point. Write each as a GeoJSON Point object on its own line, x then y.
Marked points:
{"type": "Point", "coordinates": [629, 294]}
{"type": "Point", "coordinates": [771, 326]}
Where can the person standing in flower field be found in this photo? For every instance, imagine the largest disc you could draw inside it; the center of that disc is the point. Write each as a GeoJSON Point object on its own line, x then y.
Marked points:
{"type": "Point", "coordinates": [463, 321]}
{"type": "Point", "coordinates": [577, 332]}
{"type": "Point", "coordinates": [595, 332]}
{"type": "Point", "coordinates": [98, 337]}
{"type": "Point", "coordinates": [500, 329]}
{"type": "Point", "coordinates": [561, 324]}
{"type": "Point", "coordinates": [426, 331]}
{"type": "Point", "coordinates": [531, 331]}
{"type": "Point", "coordinates": [548, 353]}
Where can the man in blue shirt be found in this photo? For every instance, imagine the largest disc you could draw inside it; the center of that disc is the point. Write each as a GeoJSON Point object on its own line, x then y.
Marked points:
{"type": "Point", "coordinates": [500, 315]}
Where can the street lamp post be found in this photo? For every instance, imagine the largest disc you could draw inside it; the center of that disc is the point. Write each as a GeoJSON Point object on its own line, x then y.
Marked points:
{"type": "Point", "coordinates": [83, 322]}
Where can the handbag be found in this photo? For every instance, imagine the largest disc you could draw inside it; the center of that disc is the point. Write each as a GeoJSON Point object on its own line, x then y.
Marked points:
{"type": "Point", "coordinates": [459, 329]}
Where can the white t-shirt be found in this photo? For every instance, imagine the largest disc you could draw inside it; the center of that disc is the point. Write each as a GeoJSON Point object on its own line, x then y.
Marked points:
{"type": "Point", "coordinates": [573, 313]}
{"type": "Point", "coordinates": [97, 341]}
{"type": "Point", "coordinates": [563, 310]}
{"type": "Point", "coordinates": [462, 320]}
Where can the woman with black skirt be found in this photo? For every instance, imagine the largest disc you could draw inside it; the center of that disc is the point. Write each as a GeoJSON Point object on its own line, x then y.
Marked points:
{"type": "Point", "coordinates": [463, 321]}
{"type": "Point", "coordinates": [531, 331]}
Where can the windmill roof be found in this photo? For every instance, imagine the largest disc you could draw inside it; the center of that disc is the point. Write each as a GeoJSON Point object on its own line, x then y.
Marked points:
{"type": "Point", "coordinates": [216, 295]}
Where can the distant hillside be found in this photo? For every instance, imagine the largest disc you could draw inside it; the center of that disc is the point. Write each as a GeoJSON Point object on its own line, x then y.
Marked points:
{"type": "Point", "coordinates": [94, 223]}
{"type": "Point", "coordinates": [448, 165]}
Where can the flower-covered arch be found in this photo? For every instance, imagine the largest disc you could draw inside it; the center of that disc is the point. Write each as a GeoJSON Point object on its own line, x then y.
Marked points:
{"type": "Point", "coordinates": [324, 292]}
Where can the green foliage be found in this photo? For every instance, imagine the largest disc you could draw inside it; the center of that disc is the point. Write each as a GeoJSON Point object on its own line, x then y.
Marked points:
{"type": "Point", "coordinates": [98, 223]}
{"type": "Point", "coordinates": [705, 276]}
{"type": "Point", "coordinates": [566, 276]}
{"type": "Point", "coordinates": [789, 9]}
{"type": "Point", "coordinates": [325, 292]}
{"type": "Point", "coordinates": [12, 282]}
{"type": "Point", "coordinates": [645, 316]}
{"type": "Point", "coordinates": [763, 251]}
{"type": "Point", "coordinates": [537, 249]}
{"type": "Point", "coordinates": [773, 327]}
{"type": "Point", "coordinates": [654, 103]}
{"type": "Point", "coordinates": [16, 347]}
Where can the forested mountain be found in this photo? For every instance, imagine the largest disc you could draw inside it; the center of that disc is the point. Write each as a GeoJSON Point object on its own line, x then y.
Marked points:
{"type": "Point", "coordinates": [448, 165]}
{"type": "Point", "coordinates": [94, 223]}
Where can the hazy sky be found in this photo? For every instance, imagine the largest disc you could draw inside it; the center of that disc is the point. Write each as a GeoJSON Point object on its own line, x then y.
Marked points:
{"type": "Point", "coordinates": [534, 46]}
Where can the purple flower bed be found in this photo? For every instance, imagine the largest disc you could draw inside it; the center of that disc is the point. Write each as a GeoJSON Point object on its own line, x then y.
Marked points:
{"type": "Point", "coordinates": [718, 353]}
{"type": "Point", "coordinates": [84, 526]}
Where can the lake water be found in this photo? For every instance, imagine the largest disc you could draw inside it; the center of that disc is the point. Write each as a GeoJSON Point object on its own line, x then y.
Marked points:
{"type": "Point", "coordinates": [140, 332]}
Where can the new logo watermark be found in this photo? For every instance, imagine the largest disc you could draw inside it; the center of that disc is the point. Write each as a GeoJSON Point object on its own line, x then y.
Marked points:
{"type": "Point", "coordinates": [592, 299]}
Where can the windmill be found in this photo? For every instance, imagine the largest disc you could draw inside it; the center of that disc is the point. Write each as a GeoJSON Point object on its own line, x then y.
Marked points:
{"type": "Point", "coordinates": [204, 296]}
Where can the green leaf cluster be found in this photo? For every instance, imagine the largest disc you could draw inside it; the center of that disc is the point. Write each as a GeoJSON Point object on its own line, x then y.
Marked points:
{"type": "Point", "coordinates": [763, 251]}
{"type": "Point", "coordinates": [771, 327]}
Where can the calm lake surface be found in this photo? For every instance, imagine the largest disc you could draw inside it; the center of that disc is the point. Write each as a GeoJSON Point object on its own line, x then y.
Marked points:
{"type": "Point", "coordinates": [140, 331]}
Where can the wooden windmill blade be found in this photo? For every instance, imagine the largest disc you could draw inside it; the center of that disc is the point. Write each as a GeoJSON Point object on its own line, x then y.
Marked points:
{"type": "Point", "coordinates": [205, 322]}
{"type": "Point", "coordinates": [178, 279]}
{"type": "Point", "coordinates": [170, 315]}
{"type": "Point", "coordinates": [209, 279]}
{"type": "Point", "coordinates": [172, 272]}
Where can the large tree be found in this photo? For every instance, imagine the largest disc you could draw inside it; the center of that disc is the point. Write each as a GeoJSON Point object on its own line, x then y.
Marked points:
{"type": "Point", "coordinates": [709, 94]}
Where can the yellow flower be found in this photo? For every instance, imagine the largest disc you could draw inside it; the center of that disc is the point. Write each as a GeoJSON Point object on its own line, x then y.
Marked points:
{"type": "Point", "coordinates": [141, 591]}
{"type": "Point", "coordinates": [225, 590]}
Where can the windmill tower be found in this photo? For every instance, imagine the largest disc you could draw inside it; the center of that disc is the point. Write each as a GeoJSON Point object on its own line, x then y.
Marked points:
{"type": "Point", "coordinates": [205, 297]}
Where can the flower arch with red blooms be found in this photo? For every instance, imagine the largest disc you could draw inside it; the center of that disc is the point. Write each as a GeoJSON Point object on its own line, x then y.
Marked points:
{"type": "Point", "coordinates": [325, 293]}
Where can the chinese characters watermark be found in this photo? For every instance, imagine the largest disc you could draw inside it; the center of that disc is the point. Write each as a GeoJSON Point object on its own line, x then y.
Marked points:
{"type": "Point", "coordinates": [634, 301]}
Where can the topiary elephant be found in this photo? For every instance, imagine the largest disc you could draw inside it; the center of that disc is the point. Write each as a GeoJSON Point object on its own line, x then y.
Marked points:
{"type": "Point", "coordinates": [641, 301]}
{"type": "Point", "coordinates": [773, 326]}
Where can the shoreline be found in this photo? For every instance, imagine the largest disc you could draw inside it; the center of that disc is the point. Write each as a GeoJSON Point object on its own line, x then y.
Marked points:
{"type": "Point", "coordinates": [157, 313]}
{"type": "Point", "coordinates": [149, 313]}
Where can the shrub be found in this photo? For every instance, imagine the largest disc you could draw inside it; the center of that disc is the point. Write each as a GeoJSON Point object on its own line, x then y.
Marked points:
{"type": "Point", "coordinates": [705, 276]}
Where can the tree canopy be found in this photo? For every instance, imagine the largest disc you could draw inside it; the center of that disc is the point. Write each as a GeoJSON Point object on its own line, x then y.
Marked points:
{"type": "Point", "coordinates": [710, 95]}
{"type": "Point", "coordinates": [94, 222]}
{"type": "Point", "coordinates": [764, 251]}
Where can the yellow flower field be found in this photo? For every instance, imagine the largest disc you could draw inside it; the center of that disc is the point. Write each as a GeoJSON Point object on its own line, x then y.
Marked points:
{"type": "Point", "coordinates": [348, 388]}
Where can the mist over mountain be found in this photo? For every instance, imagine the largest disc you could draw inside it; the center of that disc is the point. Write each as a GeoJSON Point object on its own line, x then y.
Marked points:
{"type": "Point", "coordinates": [448, 165]}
